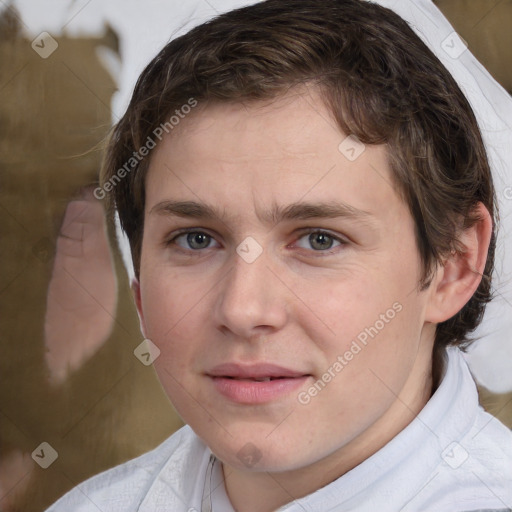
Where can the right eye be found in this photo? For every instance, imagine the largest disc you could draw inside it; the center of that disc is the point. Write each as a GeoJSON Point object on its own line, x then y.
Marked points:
{"type": "Point", "coordinates": [193, 240]}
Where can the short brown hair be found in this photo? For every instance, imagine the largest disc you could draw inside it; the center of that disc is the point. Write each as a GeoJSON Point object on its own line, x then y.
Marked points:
{"type": "Point", "coordinates": [379, 80]}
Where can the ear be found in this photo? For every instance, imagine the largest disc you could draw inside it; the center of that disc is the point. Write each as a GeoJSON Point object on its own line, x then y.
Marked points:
{"type": "Point", "coordinates": [458, 277]}
{"type": "Point", "coordinates": [135, 286]}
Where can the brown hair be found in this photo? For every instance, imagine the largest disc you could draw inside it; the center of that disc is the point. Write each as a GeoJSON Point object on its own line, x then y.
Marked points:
{"type": "Point", "coordinates": [381, 83]}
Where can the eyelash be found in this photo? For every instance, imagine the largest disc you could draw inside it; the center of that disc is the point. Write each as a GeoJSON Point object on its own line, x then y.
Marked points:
{"type": "Point", "coordinates": [302, 234]}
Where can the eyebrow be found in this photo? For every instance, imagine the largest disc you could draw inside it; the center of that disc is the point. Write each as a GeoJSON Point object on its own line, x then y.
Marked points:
{"type": "Point", "coordinates": [276, 214]}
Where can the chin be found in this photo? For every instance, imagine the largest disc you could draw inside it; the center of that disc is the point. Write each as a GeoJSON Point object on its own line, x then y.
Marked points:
{"type": "Point", "coordinates": [254, 451]}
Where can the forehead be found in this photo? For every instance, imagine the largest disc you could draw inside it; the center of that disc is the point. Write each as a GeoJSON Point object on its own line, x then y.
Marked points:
{"type": "Point", "coordinates": [273, 152]}
{"type": "Point", "coordinates": [274, 128]}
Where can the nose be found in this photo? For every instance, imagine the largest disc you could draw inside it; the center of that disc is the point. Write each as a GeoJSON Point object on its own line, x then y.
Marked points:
{"type": "Point", "coordinates": [251, 301]}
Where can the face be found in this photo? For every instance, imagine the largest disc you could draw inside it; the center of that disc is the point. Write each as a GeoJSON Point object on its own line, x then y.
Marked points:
{"type": "Point", "coordinates": [279, 279]}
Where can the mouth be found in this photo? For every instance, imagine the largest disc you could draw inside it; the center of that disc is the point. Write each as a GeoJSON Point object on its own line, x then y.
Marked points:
{"type": "Point", "coordinates": [258, 371]}
{"type": "Point", "coordinates": [255, 384]}
{"type": "Point", "coordinates": [254, 379]}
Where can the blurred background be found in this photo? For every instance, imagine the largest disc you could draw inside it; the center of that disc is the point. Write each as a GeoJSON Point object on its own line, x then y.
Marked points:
{"type": "Point", "coordinates": [74, 398]}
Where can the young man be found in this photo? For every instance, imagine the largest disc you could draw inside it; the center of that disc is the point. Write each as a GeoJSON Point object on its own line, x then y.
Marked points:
{"type": "Point", "coordinates": [310, 211]}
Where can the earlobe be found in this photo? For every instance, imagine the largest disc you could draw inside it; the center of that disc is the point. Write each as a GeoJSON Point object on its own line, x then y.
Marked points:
{"type": "Point", "coordinates": [135, 286]}
{"type": "Point", "coordinates": [460, 274]}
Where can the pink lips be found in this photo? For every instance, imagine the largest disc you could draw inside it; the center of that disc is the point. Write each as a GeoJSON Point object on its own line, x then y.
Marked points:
{"type": "Point", "coordinates": [255, 384]}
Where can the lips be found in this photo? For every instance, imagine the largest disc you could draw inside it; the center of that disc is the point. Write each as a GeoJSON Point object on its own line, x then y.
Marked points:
{"type": "Point", "coordinates": [256, 383]}
{"type": "Point", "coordinates": [254, 372]}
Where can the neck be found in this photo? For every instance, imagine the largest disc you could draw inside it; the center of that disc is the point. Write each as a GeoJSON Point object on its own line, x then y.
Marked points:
{"type": "Point", "coordinates": [266, 491]}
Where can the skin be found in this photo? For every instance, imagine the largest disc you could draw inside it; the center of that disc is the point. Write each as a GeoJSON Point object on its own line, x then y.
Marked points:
{"type": "Point", "coordinates": [298, 304]}
{"type": "Point", "coordinates": [83, 270]}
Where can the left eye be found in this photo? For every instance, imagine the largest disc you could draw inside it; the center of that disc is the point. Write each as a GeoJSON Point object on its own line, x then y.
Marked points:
{"type": "Point", "coordinates": [319, 241]}
{"type": "Point", "coordinates": [195, 240]}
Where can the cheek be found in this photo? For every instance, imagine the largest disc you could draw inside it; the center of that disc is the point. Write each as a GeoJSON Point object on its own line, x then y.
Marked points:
{"type": "Point", "coordinates": [338, 310]}
{"type": "Point", "coordinates": [175, 319]}
{"type": "Point", "coordinates": [173, 307]}
{"type": "Point", "coordinates": [372, 318]}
